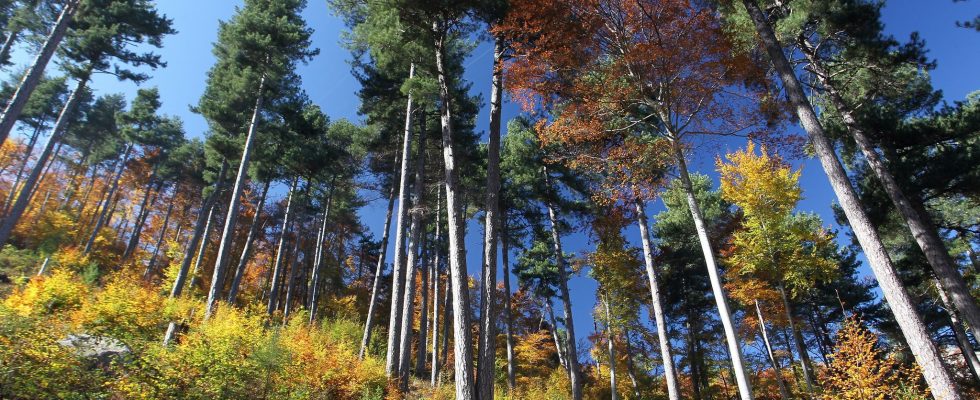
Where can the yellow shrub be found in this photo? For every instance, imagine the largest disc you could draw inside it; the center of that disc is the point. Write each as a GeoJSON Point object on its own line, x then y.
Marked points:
{"type": "Point", "coordinates": [60, 292]}
{"type": "Point", "coordinates": [125, 309]}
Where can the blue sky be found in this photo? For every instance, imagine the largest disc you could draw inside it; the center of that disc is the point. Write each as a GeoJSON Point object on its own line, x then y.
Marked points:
{"type": "Point", "coordinates": [329, 83]}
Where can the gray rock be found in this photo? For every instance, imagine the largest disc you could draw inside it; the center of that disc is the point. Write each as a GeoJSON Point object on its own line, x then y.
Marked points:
{"type": "Point", "coordinates": [102, 350]}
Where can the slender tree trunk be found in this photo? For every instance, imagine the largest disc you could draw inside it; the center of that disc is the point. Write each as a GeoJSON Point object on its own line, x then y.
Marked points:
{"type": "Point", "coordinates": [398, 268]}
{"type": "Point", "coordinates": [463, 336]}
{"type": "Point", "coordinates": [34, 74]}
{"type": "Point", "coordinates": [291, 282]}
{"type": "Point", "coordinates": [630, 367]}
{"type": "Point", "coordinates": [134, 239]}
{"type": "Point", "coordinates": [378, 273]}
{"type": "Point", "coordinates": [315, 288]}
{"type": "Point", "coordinates": [611, 349]}
{"type": "Point", "coordinates": [969, 355]}
{"type": "Point", "coordinates": [88, 192]}
{"type": "Point", "coordinates": [23, 198]}
{"type": "Point", "coordinates": [783, 392]}
{"type": "Point", "coordinates": [8, 43]}
{"type": "Point", "coordinates": [805, 363]}
{"type": "Point", "coordinates": [717, 288]}
{"type": "Point", "coordinates": [574, 373]}
{"type": "Point", "coordinates": [940, 381]}
{"type": "Point", "coordinates": [417, 225]}
{"type": "Point", "coordinates": [277, 266]}
{"type": "Point", "coordinates": [911, 209]}
{"type": "Point", "coordinates": [488, 327]}
{"type": "Point", "coordinates": [508, 314]}
{"type": "Point", "coordinates": [201, 228]}
{"type": "Point", "coordinates": [653, 277]}
{"type": "Point", "coordinates": [163, 231]}
{"type": "Point", "coordinates": [423, 340]}
{"type": "Point", "coordinates": [559, 348]}
{"type": "Point", "coordinates": [253, 230]}
{"type": "Point", "coordinates": [437, 249]}
{"type": "Point", "coordinates": [225, 246]}
{"type": "Point", "coordinates": [105, 215]}
{"type": "Point", "coordinates": [20, 170]}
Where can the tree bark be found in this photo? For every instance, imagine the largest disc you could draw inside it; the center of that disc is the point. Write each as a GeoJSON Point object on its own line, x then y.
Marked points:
{"type": "Point", "coordinates": [134, 238]}
{"type": "Point", "coordinates": [225, 246]}
{"type": "Point", "coordinates": [783, 392]}
{"type": "Point", "coordinates": [911, 209]}
{"type": "Point", "coordinates": [463, 336]}
{"type": "Point", "coordinates": [253, 230]}
{"type": "Point", "coordinates": [940, 381]}
{"type": "Point", "coordinates": [8, 43]}
{"type": "Point", "coordinates": [508, 315]}
{"type": "Point", "coordinates": [417, 225]}
{"type": "Point", "coordinates": [105, 215]}
{"type": "Point", "coordinates": [318, 259]}
{"type": "Point", "coordinates": [398, 267]}
{"type": "Point", "coordinates": [653, 277]}
{"type": "Point", "coordinates": [488, 327]}
{"type": "Point", "coordinates": [23, 198]}
{"type": "Point", "coordinates": [805, 364]}
{"type": "Point", "coordinates": [423, 340]}
{"type": "Point", "coordinates": [20, 170]}
{"type": "Point", "coordinates": [437, 260]}
{"type": "Point", "coordinates": [33, 76]}
{"type": "Point", "coordinates": [611, 349]}
{"type": "Point", "coordinates": [969, 355]}
{"type": "Point", "coordinates": [163, 231]}
{"type": "Point", "coordinates": [378, 272]}
{"type": "Point", "coordinates": [277, 266]}
{"type": "Point", "coordinates": [570, 346]}
{"type": "Point", "coordinates": [559, 348]}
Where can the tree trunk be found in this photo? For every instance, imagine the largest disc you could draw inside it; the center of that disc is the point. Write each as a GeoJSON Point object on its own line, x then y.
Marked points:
{"type": "Point", "coordinates": [630, 367]}
{"type": "Point", "coordinates": [653, 277]}
{"type": "Point", "coordinates": [8, 43]}
{"type": "Point", "coordinates": [559, 348]}
{"type": "Point", "coordinates": [33, 76]}
{"type": "Point", "coordinates": [225, 246]}
{"type": "Point", "coordinates": [508, 315]}
{"type": "Point", "coordinates": [163, 231]}
{"type": "Point", "coordinates": [911, 209]}
{"type": "Point", "coordinates": [611, 349]}
{"type": "Point", "coordinates": [134, 238]}
{"type": "Point", "coordinates": [423, 340]}
{"type": "Point", "coordinates": [104, 216]}
{"type": "Point", "coordinates": [969, 355]}
{"type": "Point", "coordinates": [398, 266]}
{"type": "Point", "coordinates": [201, 227]}
{"type": "Point", "coordinates": [940, 381]}
{"type": "Point", "coordinates": [253, 230]}
{"type": "Point", "coordinates": [291, 282]}
{"type": "Point", "coordinates": [805, 364]}
{"type": "Point", "coordinates": [488, 327]}
{"type": "Point", "coordinates": [20, 170]}
{"type": "Point", "coordinates": [463, 336]}
{"type": "Point", "coordinates": [437, 260]}
{"type": "Point", "coordinates": [277, 266]}
{"type": "Point", "coordinates": [378, 272]}
{"type": "Point", "coordinates": [318, 259]}
{"type": "Point", "coordinates": [417, 225]}
{"type": "Point", "coordinates": [23, 198]}
{"type": "Point", "coordinates": [783, 392]}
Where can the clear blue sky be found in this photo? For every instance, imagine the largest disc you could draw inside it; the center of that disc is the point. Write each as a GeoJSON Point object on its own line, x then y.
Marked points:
{"type": "Point", "coordinates": [329, 83]}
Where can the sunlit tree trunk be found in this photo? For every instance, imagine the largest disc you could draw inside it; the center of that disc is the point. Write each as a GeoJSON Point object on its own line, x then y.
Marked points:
{"type": "Point", "coordinates": [969, 355]}
{"type": "Point", "coordinates": [36, 71]}
{"type": "Point", "coordinates": [421, 348]}
{"type": "Point", "coordinates": [416, 227]}
{"type": "Point", "coordinates": [805, 364]}
{"type": "Point", "coordinates": [508, 314]}
{"type": "Point", "coordinates": [378, 273]}
{"type": "Point", "coordinates": [163, 231]}
{"type": "Point", "coordinates": [106, 212]}
{"type": "Point", "coordinates": [666, 353]}
{"type": "Point", "coordinates": [231, 218]}
{"type": "Point", "coordinates": [253, 230]}
{"type": "Point", "coordinates": [783, 392]}
{"type": "Point", "coordinates": [398, 264]}
{"type": "Point", "coordinates": [436, 261]}
{"type": "Point", "coordinates": [940, 381]}
{"type": "Point", "coordinates": [134, 238]}
{"type": "Point", "coordinates": [462, 335]}
{"type": "Point", "coordinates": [315, 287]}
{"type": "Point", "coordinates": [277, 265]}
{"type": "Point", "coordinates": [611, 350]}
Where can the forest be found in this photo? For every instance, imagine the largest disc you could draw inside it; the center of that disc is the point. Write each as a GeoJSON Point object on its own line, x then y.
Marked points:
{"type": "Point", "coordinates": [639, 226]}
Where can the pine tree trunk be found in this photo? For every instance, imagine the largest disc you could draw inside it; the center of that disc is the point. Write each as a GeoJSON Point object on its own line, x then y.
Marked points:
{"type": "Point", "coordinates": [277, 266]}
{"type": "Point", "coordinates": [23, 198]}
{"type": "Point", "coordinates": [559, 348]}
{"type": "Point", "coordinates": [134, 238]}
{"type": "Point", "coordinates": [437, 260]}
{"type": "Point", "coordinates": [630, 367]}
{"type": "Point", "coordinates": [253, 230]}
{"type": "Point", "coordinates": [20, 170]}
{"type": "Point", "coordinates": [717, 288]}
{"type": "Point", "coordinates": [291, 281]}
{"type": "Point", "coordinates": [488, 327]}
{"type": "Point", "coordinates": [912, 210]}
{"type": "Point", "coordinates": [33, 76]}
{"type": "Point", "coordinates": [969, 354]}
{"type": "Point", "coordinates": [88, 192]}
{"type": "Point", "coordinates": [571, 350]}
{"type": "Point", "coordinates": [423, 340]}
{"type": "Point", "coordinates": [783, 392]}
{"type": "Point", "coordinates": [163, 231]}
{"type": "Point", "coordinates": [612, 351]}
{"type": "Point", "coordinates": [463, 336]}
{"type": "Point", "coordinates": [225, 246]}
{"type": "Point", "coordinates": [318, 259]}
{"type": "Point", "coordinates": [508, 314]}
{"type": "Point", "coordinates": [106, 213]}
{"type": "Point", "coordinates": [398, 265]}
{"type": "Point", "coordinates": [805, 364]}
{"type": "Point", "coordinates": [666, 353]}
{"type": "Point", "coordinates": [8, 44]}
{"type": "Point", "coordinates": [378, 273]}
{"type": "Point", "coordinates": [940, 381]}
{"type": "Point", "coordinates": [417, 225]}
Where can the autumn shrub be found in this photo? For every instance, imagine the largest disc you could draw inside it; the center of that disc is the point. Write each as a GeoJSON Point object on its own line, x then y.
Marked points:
{"type": "Point", "coordinates": [16, 266]}
{"type": "Point", "coordinates": [859, 369]}
{"type": "Point", "coordinates": [126, 309]}
{"type": "Point", "coordinates": [62, 291]}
